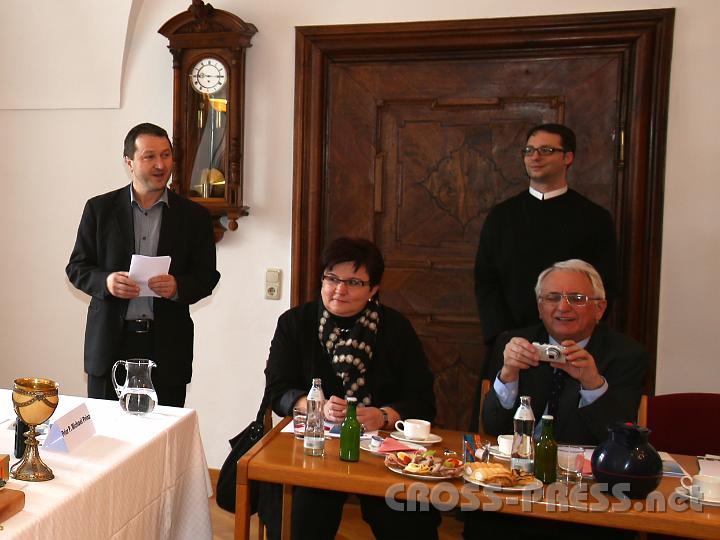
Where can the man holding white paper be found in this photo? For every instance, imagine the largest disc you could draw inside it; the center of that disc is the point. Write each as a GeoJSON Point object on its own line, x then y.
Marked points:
{"type": "Point", "coordinates": [143, 269]}
{"type": "Point", "coordinates": [147, 219]}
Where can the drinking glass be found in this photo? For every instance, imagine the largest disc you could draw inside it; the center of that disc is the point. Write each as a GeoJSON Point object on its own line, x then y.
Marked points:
{"type": "Point", "coordinates": [482, 454]}
{"type": "Point", "coordinates": [570, 460]}
{"type": "Point", "coordinates": [299, 418]}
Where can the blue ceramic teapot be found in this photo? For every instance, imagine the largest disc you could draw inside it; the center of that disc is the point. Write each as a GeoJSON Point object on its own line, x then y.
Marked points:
{"type": "Point", "coordinates": [627, 457]}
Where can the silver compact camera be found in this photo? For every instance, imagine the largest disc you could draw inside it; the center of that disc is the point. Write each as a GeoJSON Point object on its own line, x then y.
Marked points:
{"type": "Point", "coordinates": [550, 353]}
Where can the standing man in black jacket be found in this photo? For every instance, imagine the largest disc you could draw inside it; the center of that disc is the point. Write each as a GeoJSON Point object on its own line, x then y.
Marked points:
{"type": "Point", "coordinates": [143, 218]}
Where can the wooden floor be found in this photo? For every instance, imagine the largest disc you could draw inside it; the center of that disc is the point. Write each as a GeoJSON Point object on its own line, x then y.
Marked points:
{"type": "Point", "coordinates": [352, 527]}
{"type": "Point", "coordinates": [223, 523]}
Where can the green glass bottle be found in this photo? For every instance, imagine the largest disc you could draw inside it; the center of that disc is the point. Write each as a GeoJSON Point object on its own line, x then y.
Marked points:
{"type": "Point", "coordinates": [350, 433]}
{"type": "Point", "coordinates": [546, 452]}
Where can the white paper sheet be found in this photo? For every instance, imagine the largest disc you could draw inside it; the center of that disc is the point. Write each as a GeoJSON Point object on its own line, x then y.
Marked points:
{"type": "Point", "coordinates": [709, 466]}
{"type": "Point", "coordinates": [142, 268]}
{"type": "Point", "coordinates": [670, 466]}
{"type": "Point", "coordinates": [329, 434]}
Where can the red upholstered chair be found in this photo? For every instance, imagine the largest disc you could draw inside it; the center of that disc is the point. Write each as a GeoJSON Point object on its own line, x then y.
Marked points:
{"type": "Point", "coordinates": [684, 423]}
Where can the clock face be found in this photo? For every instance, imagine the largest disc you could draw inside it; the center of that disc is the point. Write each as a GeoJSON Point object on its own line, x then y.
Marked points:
{"type": "Point", "coordinates": [208, 76]}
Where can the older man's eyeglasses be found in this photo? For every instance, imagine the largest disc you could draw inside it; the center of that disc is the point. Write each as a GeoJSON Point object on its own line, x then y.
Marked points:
{"type": "Point", "coordinates": [528, 151]}
{"type": "Point", "coordinates": [352, 283]}
{"type": "Point", "coordinates": [574, 299]}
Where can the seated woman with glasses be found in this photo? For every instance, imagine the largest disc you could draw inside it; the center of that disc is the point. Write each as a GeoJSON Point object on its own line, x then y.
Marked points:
{"type": "Point", "coordinates": [360, 348]}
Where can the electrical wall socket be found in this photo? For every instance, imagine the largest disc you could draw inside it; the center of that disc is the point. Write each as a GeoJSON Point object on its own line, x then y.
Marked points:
{"type": "Point", "coordinates": [273, 278]}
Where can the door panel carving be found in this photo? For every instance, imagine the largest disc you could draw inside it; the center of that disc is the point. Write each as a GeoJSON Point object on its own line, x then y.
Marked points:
{"type": "Point", "coordinates": [417, 147]}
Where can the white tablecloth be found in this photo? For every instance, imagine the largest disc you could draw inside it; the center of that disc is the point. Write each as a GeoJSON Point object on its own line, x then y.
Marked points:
{"type": "Point", "coordinates": [141, 477]}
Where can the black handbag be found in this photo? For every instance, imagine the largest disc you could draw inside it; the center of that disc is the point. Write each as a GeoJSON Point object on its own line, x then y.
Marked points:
{"type": "Point", "coordinates": [239, 444]}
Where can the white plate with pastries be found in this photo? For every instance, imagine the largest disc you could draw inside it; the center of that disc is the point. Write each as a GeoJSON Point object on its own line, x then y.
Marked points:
{"type": "Point", "coordinates": [482, 474]}
{"type": "Point", "coordinates": [535, 484]}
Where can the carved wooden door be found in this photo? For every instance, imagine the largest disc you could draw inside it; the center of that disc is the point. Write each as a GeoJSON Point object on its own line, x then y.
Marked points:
{"type": "Point", "coordinates": [416, 150]}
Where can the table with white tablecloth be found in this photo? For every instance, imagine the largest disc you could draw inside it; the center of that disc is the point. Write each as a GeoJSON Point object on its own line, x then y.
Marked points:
{"type": "Point", "coordinates": [138, 477]}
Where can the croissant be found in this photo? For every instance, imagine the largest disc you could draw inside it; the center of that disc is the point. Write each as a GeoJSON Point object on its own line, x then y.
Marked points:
{"type": "Point", "coordinates": [496, 474]}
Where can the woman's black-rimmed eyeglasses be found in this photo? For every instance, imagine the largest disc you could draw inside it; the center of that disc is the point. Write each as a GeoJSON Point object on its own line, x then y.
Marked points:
{"type": "Point", "coordinates": [352, 283]}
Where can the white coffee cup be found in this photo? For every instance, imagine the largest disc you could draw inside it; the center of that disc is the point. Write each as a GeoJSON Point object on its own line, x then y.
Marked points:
{"type": "Point", "coordinates": [505, 444]}
{"type": "Point", "coordinates": [702, 486]}
{"type": "Point", "coordinates": [417, 430]}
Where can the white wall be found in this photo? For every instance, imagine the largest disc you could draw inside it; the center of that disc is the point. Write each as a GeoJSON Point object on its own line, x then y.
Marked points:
{"type": "Point", "coordinates": [51, 161]}
{"type": "Point", "coordinates": [82, 76]}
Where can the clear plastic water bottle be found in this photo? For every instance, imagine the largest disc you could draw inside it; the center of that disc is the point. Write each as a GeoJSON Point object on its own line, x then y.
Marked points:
{"type": "Point", "coordinates": [314, 441]}
{"type": "Point", "coordinates": [523, 448]}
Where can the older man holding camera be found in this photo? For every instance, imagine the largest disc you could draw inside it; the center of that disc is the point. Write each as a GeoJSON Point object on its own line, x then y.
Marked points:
{"type": "Point", "coordinates": [596, 379]}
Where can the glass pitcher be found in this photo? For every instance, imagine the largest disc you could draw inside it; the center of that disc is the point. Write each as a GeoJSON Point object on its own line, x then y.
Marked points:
{"type": "Point", "coordinates": [137, 395]}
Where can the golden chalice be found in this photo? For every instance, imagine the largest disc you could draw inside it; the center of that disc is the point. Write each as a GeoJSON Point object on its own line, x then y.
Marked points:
{"type": "Point", "coordinates": [34, 401]}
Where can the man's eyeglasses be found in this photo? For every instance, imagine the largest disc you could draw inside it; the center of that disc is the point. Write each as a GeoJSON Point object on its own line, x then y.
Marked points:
{"type": "Point", "coordinates": [528, 151]}
{"type": "Point", "coordinates": [352, 283]}
{"type": "Point", "coordinates": [574, 299]}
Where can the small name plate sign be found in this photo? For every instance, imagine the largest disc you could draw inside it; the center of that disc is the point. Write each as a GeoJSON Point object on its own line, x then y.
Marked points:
{"type": "Point", "coordinates": [70, 430]}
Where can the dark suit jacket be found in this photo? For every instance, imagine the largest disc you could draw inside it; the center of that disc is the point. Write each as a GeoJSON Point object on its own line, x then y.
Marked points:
{"type": "Point", "coordinates": [105, 243]}
{"type": "Point", "coordinates": [621, 360]}
{"type": "Point", "coordinates": [398, 375]}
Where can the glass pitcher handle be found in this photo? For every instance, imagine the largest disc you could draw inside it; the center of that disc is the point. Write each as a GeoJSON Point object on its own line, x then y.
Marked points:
{"type": "Point", "coordinates": [118, 388]}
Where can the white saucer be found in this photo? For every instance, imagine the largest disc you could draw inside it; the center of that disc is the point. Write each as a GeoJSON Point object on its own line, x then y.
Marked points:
{"type": "Point", "coordinates": [432, 438]}
{"type": "Point", "coordinates": [683, 492]}
{"type": "Point", "coordinates": [497, 454]}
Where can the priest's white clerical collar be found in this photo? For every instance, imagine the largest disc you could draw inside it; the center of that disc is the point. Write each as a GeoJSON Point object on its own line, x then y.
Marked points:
{"type": "Point", "coordinates": [549, 195]}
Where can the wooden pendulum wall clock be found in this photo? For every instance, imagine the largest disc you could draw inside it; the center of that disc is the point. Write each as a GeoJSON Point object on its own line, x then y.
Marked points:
{"type": "Point", "coordinates": [208, 48]}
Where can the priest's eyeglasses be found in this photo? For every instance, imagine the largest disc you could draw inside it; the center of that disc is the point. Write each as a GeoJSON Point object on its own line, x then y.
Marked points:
{"type": "Point", "coordinates": [352, 283]}
{"type": "Point", "coordinates": [574, 299]}
{"type": "Point", "coordinates": [528, 151]}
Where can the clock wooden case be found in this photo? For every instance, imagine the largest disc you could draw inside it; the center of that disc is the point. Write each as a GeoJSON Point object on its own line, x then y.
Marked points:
{"type": "Point", "coordinates": [208, 48]}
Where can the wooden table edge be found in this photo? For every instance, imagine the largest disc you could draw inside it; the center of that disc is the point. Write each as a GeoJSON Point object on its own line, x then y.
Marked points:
{"type": "Point", "coordinates": [613, 519]}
